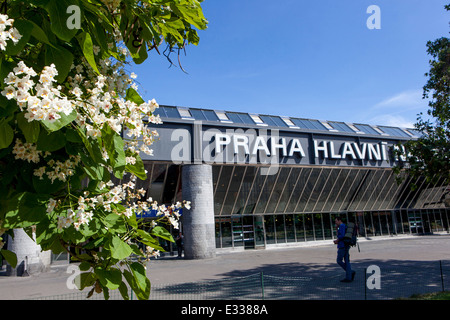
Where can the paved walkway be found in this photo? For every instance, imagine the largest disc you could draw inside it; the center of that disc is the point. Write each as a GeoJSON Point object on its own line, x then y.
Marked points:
{"type": "Point", "coordinates": [408, 254]}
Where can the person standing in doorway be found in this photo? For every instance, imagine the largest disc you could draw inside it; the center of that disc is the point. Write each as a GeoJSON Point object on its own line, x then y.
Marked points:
{"type": "Point", "coordinates": [343, 251]}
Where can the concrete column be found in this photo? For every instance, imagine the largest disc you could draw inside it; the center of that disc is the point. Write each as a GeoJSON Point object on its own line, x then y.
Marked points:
{"type": "Point", "coordinates": [30, 259]}
{"type": "Point", "coordinates": [198, 222]}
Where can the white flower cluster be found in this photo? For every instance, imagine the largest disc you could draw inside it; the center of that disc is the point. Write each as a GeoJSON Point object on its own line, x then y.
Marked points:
{"type": "Point", "coordinates": [47, 103]}
{"type": "Point", "coordinates": [101, 102]}
{"type": "Point", "coordinates": [26, 151]}
{"type": "Point", "coordinates": [6, 34]}
{"type": "Point", "coordinates": [125, 194]}
{"type": "Point", "coordinates": [98, 100]}
{"type": "Point", "coordinates": [54, 169]}
{"type": "Point", "coordinates": [172, 213]}
{"type": "Point", "coordinates": [60, 170]}
{"type": "Point", "coordinates": [151, 252]}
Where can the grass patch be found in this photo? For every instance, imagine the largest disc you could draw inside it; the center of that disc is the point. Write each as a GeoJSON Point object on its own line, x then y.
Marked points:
{"type": "Point", "coordinates": [442, 295]}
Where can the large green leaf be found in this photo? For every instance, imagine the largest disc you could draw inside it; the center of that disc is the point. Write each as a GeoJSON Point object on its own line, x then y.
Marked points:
{"type": "Point", "coordinates": [137, 168]}
{"type": "Point", "coordinates": [119, 249]}
{"type": "Point", "coordinates": [148, 240]}
{"type": "Point", "coordinates": [85, 279]}
{"type": "Point", "coordinates": [162, 232]}
{"type": "Point", "coordinates": [61, 122]}
{"type": "Point", "coordinates": [191, 13]}
{"type": "Point", "coordinates": [24, 209]}
{"type": "Point", "coordinates": [62, 58]}
{"type": "Point", "coordinates": [30, 129]}
{"type": "Point", "coordinates": [141, 280]}
{"type": "Point", "coordinates": [133, 96]}
{"type": "Point", "coordinates": [9, 256]}
{"type": "Point", "coordinates": [115, 223]}
{"type": "Point", "coordinates": [25, 29]}
{"type": "Point", "coordinates": [123, 289]}
{"type": "Point", "coordinates": [114, 146]}
{"type": "Point", "coordinates": [57, 10]}
{"type": "Point", "coordinates": [88, 49]}
{"type": "Point", "coordinates": [138, 280]}
{"type": "Point", "coordinates": [51, 141]}
{"type": "Point", "coordinates": [111, 278]}
{"type": "Point", "coordinates": [6, 134]}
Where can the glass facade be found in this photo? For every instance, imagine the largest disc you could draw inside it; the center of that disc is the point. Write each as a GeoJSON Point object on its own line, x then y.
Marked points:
{"type": "Point", "coordinates": [298, 204]}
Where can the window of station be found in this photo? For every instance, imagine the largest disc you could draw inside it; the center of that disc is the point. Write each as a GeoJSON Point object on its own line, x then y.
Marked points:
{"type": "Point", "coordinates": [366, 128]}
{"type": "Point", "coordinates": [415, 133]}
{"type": "Point", "coordinates": [222, 116]}
{"type": "Point", "coordinates": [289, 122]}
{"type": "Point", "coordinates": [240, 118]}
{"type": "Point", "coordinates": [394, 131]}
{"type": "Point", "coordinates": [167, 112]}
{"type": "Point", "coordinates": [257, 119]}
{"type": "Point", "coordinates": [340, 126]}
{"type": "Point", "coordinates": [206, 115]}
{"type": "Point", "coordinates": [377, 129]}
{"type": "Point", "coordinates": [308, 124]}
{"type": "Point", "coordinates": [273, 121]}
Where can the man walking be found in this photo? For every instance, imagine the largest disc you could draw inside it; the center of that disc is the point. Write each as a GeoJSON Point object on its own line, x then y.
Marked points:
{"type": "Point", "coordinates": [343, 255]}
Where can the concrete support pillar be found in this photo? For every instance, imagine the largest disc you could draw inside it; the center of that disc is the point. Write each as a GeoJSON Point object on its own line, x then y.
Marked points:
{"type": "Point", "coordinates": [30, 259]}
{"type": "Point", "coordinates": [198, 222]}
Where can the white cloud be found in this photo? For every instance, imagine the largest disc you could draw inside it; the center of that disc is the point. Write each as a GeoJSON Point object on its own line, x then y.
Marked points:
{"type": "Point", "coordinates": [399, 110]}
{"type": "Point", "coordinates": [409, 100]}
{"type": "Point", "coordinates": [393, 120]}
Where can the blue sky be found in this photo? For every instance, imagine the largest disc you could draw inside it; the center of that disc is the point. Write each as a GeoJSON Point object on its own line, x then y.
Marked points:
{"type": "Point", "coordinates": [309, 59]}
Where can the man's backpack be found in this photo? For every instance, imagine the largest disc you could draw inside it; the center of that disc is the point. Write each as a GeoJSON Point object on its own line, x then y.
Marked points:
{"type": "Point", "coordinates": [351, 235]}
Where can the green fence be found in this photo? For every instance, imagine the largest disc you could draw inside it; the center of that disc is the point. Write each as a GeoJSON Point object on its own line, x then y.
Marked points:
{"type": "Point", "coordinates": [394, 281]}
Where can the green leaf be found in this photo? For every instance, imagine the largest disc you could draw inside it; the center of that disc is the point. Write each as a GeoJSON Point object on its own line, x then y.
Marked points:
{"type": "Point", "coordinates": [114, 146]}
{"type": "Point", "coordinates": [162, 232]}
{"type": "Point", "coordinates": [90, 229]}
{"type": "Point", "coordinates": [111, 279]}
{"type": "Point", "coordinates": [92, 146]}
{"type": "Point", "coordinates": [57, 10]}
{"type": "Point", "coordinates": [39, 34]}
{"type": "Point", "coordinates": [51, 141]}
{"type": "Point", "coordinates": [123, 289]}
{"type": "Point", "coordinates": [61, 122]}
{"type": "Point", "coordinates": [62, 58]}
{"type": "Point", "coordinates": [46, 186]}
{"type": "Point", "coordinates": [6, 134]}
{"type": "Point", "coordinates": [115, 223]}
{"type": "Point", "coordinates": [88, 49]}
{"type": "Point", "coordinates": [133, 96]}
{"type": "Point", "coordinates": [85, 279]}
{"type": "Point", "coordinates": [148, 240]}
{"type": "Point", "coordinates": [141, 280]}
{"type": "Point", "coordinates": [24, 209]}
{"type": "Point", "coordinates": [137, 168]}
{"type": "Point", "coordinates": [138, 281]}
{"type": "Point", "coordinates": [30, 129]}
{"type": "Point", "coordinates": [84, 266]}
{"type": "Point", "coordinates": [10, 257]}
{"type": "Point", "coordinates": [191, 13]}
{"type": "Point", "coordinates": [119, 249]}
{"type": "Point", "coordinates": [25, 28]}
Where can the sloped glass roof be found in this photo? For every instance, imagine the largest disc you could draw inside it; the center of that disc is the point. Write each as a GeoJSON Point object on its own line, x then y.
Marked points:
{"type": "Point", "coordinates": [170, 112]}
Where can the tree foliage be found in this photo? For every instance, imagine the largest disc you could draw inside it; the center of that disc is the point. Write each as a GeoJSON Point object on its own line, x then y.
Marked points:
{"type": "Point", "coordinates": [429, 156]}
{"type": "Point", "coordinates": [73, 125]}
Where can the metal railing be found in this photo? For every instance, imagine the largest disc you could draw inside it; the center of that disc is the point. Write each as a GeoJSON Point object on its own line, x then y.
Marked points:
{"type": "Point", "coordinates": [399, 280]}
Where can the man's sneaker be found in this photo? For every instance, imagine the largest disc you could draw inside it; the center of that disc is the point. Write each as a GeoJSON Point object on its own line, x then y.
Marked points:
{"type": "Point", "coordinates": [346, 280]}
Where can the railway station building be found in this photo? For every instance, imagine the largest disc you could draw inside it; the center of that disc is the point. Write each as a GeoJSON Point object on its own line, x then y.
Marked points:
{"type": "Point", "coordinates": [257, 181]}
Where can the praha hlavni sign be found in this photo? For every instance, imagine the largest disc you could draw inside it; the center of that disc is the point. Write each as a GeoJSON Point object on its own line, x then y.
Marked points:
{"type": "Point", "coordinates": [266, 146]}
